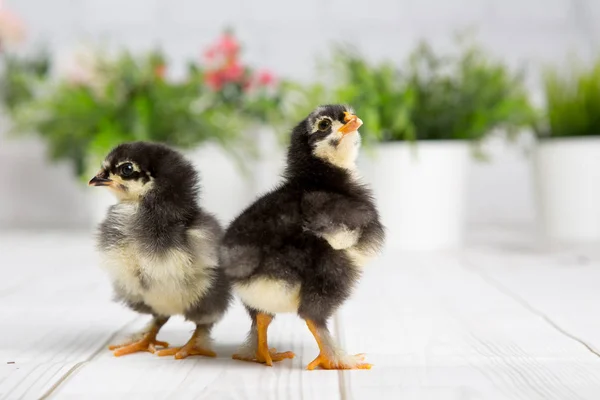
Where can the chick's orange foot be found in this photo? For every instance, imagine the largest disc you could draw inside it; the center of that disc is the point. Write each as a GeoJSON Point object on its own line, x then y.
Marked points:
{"type": "Point", "coordinates": [147, 343]}
{"type": "Point", "coordinates": [198, 345]}
{"type": "Point", "coordinates": [345, 362]}
{"type": "Point", "coordinates": [265, 357]}
{"type": "Point", "coordinates": [263, 354]}
{"type": "Point", "coordinates": [186, 351]}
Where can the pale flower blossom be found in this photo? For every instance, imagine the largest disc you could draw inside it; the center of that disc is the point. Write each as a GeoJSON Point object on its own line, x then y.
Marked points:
{"type": "Point", "coordinates": [82, 67]}
{"type": "Point", "coordinates": [12, 29]}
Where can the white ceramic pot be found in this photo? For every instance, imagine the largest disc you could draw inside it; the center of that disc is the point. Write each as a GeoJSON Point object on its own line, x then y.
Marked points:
{"type": "Point", "coordinates": [420, 190]}
{"type": "Point", "coordinates": [225, 190]}
{"type": "Point", "coordinates": [568, 188]}
{"type": "Point", "coordinates": [268, 168]}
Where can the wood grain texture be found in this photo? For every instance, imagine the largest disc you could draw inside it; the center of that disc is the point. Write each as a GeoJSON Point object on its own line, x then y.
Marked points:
{"type": "Point", "coordinates": [559, 284]}
{"type": "Point", "coordinates": [59, 318]}
{"type": "Point", "coordinates": [55, 310]}
{"type": "Point", "coordinates": [500, 320]}
{"type": "Point", "coordinates": [148, 376]}
{"type": "Point", "coordinates": [435, 329]}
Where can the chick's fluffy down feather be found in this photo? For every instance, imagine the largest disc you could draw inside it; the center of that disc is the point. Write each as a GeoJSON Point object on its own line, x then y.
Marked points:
{"type": "Point", "coordinates": [168, 282]}
{"type": "Point", "coordinates": [309, 238]}
{"type": "Point", "coordinates": [160, 248]}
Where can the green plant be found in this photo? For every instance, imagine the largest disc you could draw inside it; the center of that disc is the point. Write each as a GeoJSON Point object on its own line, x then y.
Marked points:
{"type": "Point", "coordinates": [572, 103]}
{"type": "Point", "coordinates": [256, 94]}
{"type": "Point", "coordinates": [377, 94]}
{"type": "Point", "coordinates": [300, 99]}
{"type": "Point", "coordinates": [103, 101]}
{"type": "Point", "coordinates": [433, 97]}
{"type": "Point", "coordinates": [113, 100]}
{"type": "Point", "coordinates": [20, 75]}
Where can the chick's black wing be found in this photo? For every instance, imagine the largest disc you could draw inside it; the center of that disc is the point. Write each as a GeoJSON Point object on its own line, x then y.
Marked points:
{"type": "Point", "coordinates": [264, 227]}
{"type": "Point", "coordinates": [323, 212]}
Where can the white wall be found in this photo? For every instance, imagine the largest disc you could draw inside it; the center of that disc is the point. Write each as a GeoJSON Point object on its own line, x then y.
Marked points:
{"type": "Point", "coordinates": [287, 36]}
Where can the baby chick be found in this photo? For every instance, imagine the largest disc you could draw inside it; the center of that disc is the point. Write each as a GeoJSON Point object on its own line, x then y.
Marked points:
{"type": "Point", "coordinates": [301, 247]}
{"type": "Point", "coordinates": [159, 247]}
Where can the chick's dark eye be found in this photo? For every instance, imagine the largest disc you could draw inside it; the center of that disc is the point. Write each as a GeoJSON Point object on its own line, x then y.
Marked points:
{"type": "Point", "coordinates": [126, 169]}
{"type": "Point", "coordinates": [324, 125]}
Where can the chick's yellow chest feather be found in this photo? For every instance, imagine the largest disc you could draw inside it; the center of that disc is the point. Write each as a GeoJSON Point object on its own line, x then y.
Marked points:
{"type": "Point", "coordinates": [169, 282]}
{"type": "Point", "coordinates": [163, 283]}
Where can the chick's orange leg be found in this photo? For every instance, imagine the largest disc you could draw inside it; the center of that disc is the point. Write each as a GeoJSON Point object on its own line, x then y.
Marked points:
{"type": "Point", "coordinates": [263, 354]}
{"type": "Point", "coordinates": [329, 357]}
{"type": "Point", "coordinates": [193, 347]}
{"type": "Point", "coordinates": [147, 342]}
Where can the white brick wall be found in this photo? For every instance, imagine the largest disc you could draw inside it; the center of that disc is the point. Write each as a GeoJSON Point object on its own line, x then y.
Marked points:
{"type": "Point", "coordinates": [287, 36]}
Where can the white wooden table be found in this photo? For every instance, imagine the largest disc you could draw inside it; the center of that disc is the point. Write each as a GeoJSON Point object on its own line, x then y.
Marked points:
{"type": "Point", "coordinates": [505, 318]}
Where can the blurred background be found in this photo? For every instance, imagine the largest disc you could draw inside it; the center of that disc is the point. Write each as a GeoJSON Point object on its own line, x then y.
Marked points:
{"type": "Point", "coordinates": [476, 112]}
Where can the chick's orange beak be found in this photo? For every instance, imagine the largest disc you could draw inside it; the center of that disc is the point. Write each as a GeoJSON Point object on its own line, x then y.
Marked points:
{"type": "Point", "coordinates": [99, 180]}
{"type": "Point", "coordinates": [352, 123]}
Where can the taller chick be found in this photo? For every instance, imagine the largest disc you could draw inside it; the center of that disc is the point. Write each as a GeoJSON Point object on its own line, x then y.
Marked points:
{"type": "Point", "coordinates": [159, 247]}
{"type": "Point", "coordinates": [301, 248]}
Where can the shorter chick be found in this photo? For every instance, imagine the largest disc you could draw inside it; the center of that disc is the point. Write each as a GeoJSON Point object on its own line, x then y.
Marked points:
{"type": "Point", "coordinates": [160, 247]}
{"type": "Point", "coordinates": [301, 248]}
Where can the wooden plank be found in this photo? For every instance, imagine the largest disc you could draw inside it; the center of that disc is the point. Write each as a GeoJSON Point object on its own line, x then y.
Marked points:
{"type": "Point", "coordinates": [31, 380]}
{"type": "Point", "coordinates": [454, 326]}
{"type": "Point", "coordinates": [55, 310]}
{"type": "Point", "coordinates": [147, 376]}
{"type": "Point", "coordinates": [434, 329]}
{"type": "Point", "coordinates": [559, 284]}
{"type": "Point", "coordinates": [58, 316]}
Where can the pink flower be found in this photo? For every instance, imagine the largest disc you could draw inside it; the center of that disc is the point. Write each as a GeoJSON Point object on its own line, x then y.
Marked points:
{"type": "Point", "coordinates": [233, 72]}
{"type": "Point", "coordinates": [224, 67]}
{"type": "Point", "coordinates": [213, 80]}
{"type": "Point", "coordinates": [265, 78]}
{"type": "Point", "coordinates": [210, 53]}
{"type": "Point", "coordinates": [160, 71]}
{"type": "Point", "coordinates": [81, 67]}
{"type": "Point", "coordinates": [12, 29]}
{"type": "Point", "coordinates": [228, 45]}
{"type": "Point", "coordinates": [223, 52]}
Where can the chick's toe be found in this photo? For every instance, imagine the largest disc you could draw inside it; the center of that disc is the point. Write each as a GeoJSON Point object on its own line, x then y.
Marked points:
{"type": "Point", "coordinates": [147, 343]}
{"type": "Point", "coordinates": [198, 345]}
{"type": "Point", "coordinates": [267, 358]}
{"type": "Point", "coordinates": [325, 361]}
{"type": "Point", "coordinates": [330, 356]}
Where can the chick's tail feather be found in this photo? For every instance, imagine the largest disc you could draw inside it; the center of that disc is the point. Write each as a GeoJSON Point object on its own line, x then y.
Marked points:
{"type": "Point", "coordinates": [238, 261]}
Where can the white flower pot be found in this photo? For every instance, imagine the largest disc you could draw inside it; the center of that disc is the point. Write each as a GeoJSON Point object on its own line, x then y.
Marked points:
{"type": "Point", "coordinates": [568, 188]}
{"type": "Point", "coordinates": [268, 168]}
{"type": "Point", "coordinates": [225, 190]}
{"type": "Point", "coordinates": [420, 190]}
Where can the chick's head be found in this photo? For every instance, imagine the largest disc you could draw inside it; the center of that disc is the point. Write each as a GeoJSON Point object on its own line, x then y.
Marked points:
{"type": "Point", "coordinates": [133, 170]}
{"type": "Point", "coordinates": [331, 134]}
